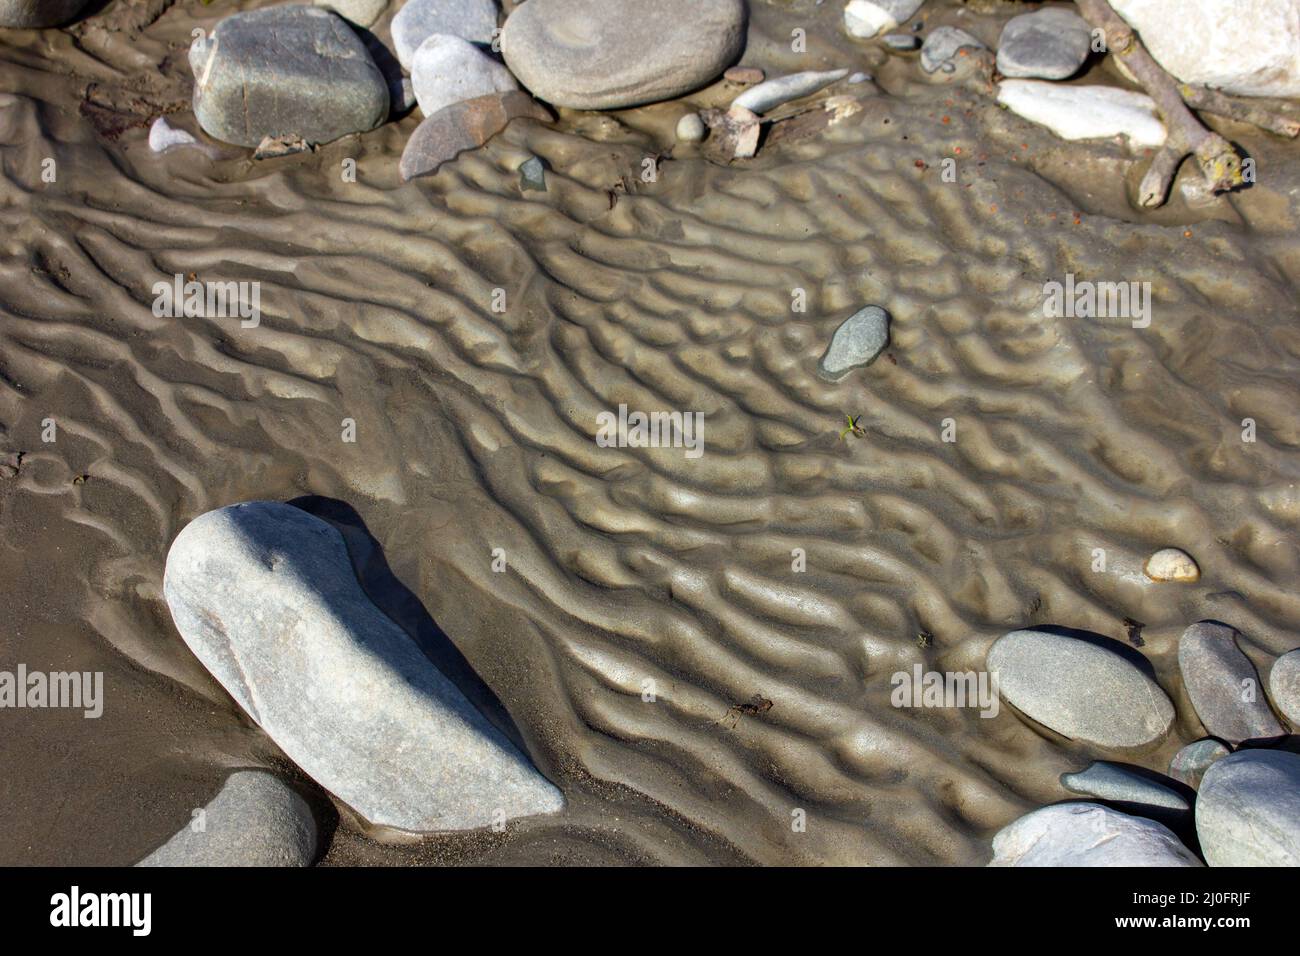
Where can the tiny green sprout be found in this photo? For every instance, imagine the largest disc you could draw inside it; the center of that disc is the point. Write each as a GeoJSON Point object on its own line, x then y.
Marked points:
{"type": "Point", "coordinates": [853, 428]}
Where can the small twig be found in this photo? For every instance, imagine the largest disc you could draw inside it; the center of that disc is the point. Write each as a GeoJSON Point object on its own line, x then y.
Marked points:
{"type": "Point", "coordinates": [1212, 101]}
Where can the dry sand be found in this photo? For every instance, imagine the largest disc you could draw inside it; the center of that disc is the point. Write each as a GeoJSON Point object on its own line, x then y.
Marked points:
{"type": "Point", "coordinates": [475, 430]}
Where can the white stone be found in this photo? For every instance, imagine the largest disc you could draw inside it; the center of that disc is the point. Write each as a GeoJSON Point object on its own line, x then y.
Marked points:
{"type": "Point", "coordinates": [163, 136]}
{"type": "Point", "coordinates": [1172, 564]}
{"type": "Point", "coordinates": [1248, 810]}
{"type": "Point", "coordinates": [1247, 47]}
{"type": "Point", "coordinates": [782, 89]}
{"type": "Point", "coordinates": [869, 18]}
{"type": "Point", "coordinates": [447, 69]}
{"type": "Point", "coordinates": [690, 128]}
{"type": "Point", "coordinates": [1088, 834]}
{"type": "Point", "coordinates": [265, 596]}
{"type": "Point", "coordinates": [361, 12]}
{"type": "Point", "coordinates": [1085, 112]}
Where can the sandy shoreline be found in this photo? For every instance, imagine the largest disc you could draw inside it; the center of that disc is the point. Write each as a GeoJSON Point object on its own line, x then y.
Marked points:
{"type": "Point", "coordinates": [476, 431]}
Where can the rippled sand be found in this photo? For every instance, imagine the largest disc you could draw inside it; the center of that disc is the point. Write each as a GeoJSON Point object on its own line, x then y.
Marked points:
{"type": "Point", "coordinates": [475, 430]}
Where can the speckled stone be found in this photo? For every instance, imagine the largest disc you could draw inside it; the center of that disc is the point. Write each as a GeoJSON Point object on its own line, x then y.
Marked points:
{"type": "Point", "coordinates": [1248, 810]}
{"type": "Point", "coordinates": [1223, 685]}
{"type": "Point", "coordinates": [1188, 766]}
{"type": "Point", "coordinates": [1088, 834]}
{"type": "Point", "coordinates": [1284, 686]}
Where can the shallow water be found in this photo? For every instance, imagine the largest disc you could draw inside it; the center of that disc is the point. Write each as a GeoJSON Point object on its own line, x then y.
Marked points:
{"type": "Point", "coordinates": [475, 430]}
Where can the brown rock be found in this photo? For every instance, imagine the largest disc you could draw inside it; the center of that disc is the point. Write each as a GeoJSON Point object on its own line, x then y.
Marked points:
{"type": "Point", "coordinates": [461, 126]}
{"type": "Point", "coordinates": [744, 74]}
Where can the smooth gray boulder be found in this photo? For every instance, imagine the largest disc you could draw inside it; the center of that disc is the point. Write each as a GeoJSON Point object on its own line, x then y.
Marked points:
{"type": "Point", "coordinates": [618, 53]}
{"type": "Point", "coordinates": [1188, 766]}
{"type": "Point", "coordinates": [1047, 44]}
{"type": "Point", "coordinates": [1248, 810]}
{"type": "Point", "coordinates": [856, 342]}
{"type": "Point", "coordinates": [1087, 834]}
{"type": "Point", "coordinates": [1223, 685]}
{"type": "Point", "coordinates": [361, 12]}
{"type": "Point", "coordinates": [292, 71]}
{"type": "Point", "coordinates": [1284, 686]}
{"type": "Point", "coordinates": [1080, 688]}
{"type": "Point", "coordinates": [38, 14]}
{"type": "Point", "coordinates": [265, 596]}
{"type": "Point", "coordinates": [256, 819]}
{"type": "Point", "coordinates": [1138, 794]}
{"type": "Point", "coordinates": [943, 45]}
{"type": "Point", "coordinates": [472, 20]}
{"type": "Point", "coordinates": [447, 69]}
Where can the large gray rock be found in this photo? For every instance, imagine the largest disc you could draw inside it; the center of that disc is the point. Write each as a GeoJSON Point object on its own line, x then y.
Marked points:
{"type": "Point", "coordinates": [1087, 834]}
{"type": "Point", "coordinates": [293, 71]}
{"type": "Point", "coordinates": [1284, 686]}
{"type": "Point", "coordinates": [265, 596]}
{"type": "Point", "coordinates": [1048, 44]}
{"type": "Point", "coordinates": [37, 14]}
{"type": "Point", "coordinates": [857, 342]}
{"type": "Point", "coordinates": [942, 47]}
{"type": "Point", "coordinates": [1188, 766]}
{"type": "Point", "coordinates": [1223, 685]}
{"type": "Point", "coordinates": [447, 69]}
{"type": "Point", "coordinates": [1248, 810]}
{"type": "Point", "coordinates": [472, 20]}
{"type": "Point", "coordinates": [255, 820]}
{"type": "Point", "coordinates": [1248, 47]}
{"type": "Point", "coordinates": [1080, 689]}
{"type": "Point", "coordinates": [1135, 792]}
{"type": "Point", "coordinates": [619, 53]}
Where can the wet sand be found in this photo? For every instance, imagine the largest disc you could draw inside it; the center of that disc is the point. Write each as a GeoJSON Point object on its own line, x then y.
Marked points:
{"type": "Point", "coordinates": [476, 430]}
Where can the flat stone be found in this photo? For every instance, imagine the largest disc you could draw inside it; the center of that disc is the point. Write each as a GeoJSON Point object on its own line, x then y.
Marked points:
{"type": "Point", "coordinates": [1048, 44]}
{"type": "Point", "coordinates": [858, 340]}
{"type": "Point", "coordinates": [1284, 686]}
{"type": "Point", "coordinates": [618, 53]}
{"type": "Point", "coordinates": [1139, 794]}
{"type": "Point", "coordinates": [1080, 688]}
{"type": "Point", "coordinates": [782, 89]}
{"type": "Point", "coordinates": [1248, 810]}
{"type": "Point", "coordinates": [361, 12]}
{"type": "Point", "coordinates": [466, 125]}
{"type": "Point", "coordinates": [943, 45]}
{"type": "Point", "coordinates": [1247, 47]}
{"type": "Point", "coordinates": [1188, 766]}
{"type": "Point", "coordinates": [1223, 685]}
{"type": "Point", "coordinates": [285, 71]}
{"type": "Point", "coordinates": [256, 819]}
{"type": "Point", "coordinates": [1088, 834]}
{"type": "Point", "coordinates": [868, 18]}
{"type": "Point", "coordinates": [38, 14]}
{"type": "Point", "coordinates": [472, 20]}
{"type": "Point", "coordinates": [265, 596]}
{"type": "Point", "coordinates": [902, 41]}
{"type": "Point", "coordinates": [1172, 564]}
{"type": "Point", "coordinates": [447, 69]}
{"type": "Point", "coordinates": [690, 128]}
{"type": "Point", "coordinates": [744, 74]}
{"type": "Point", "coordinates": [1085, 112]}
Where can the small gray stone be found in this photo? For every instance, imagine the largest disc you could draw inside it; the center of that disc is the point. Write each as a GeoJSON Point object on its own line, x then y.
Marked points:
{"type": "Point", "coordinates": [1048, 44]}
{"type": "Point", "coordinates": [942, 46]}
{"type": "Point", "coordinates": [265, 596]}
{"type": "Point", "coordinates": [1248, 810]}
{"type": "Point", "coordinates": [1188, 766]}
{"type": "Point", "coordinates": [617, 53]}
{"type": "Point", "coordinates": [902, 41]}
{"type": "Point", "coordinates": [293, 71]}
{"type": "Point", "coordinates": [1080, 688]}
{"type": "Point", "coordinates": [255, 820]}
{"type": "Point", "coordinates": [1284, 686]}
{"type": "Point", "coordinates": [361, 12]}
{"type": "Point", "coordinates": [38, 14]}
{"type": "Point", "coordinates": [857, 342]}
{"type": "Point", "coordinates": [1223, 686]}
{"type": "Point", "coordinates": [782, 89]}
{"type": "Point", "coordinates": [1116, 783]}
{"type": "Point", "coordinates": [690, 128]}
{"type": "Point", "coordinates": [447, 69]}
{"type": "Point", "coordinates": [1087, 834]}
{"type": "Point", "coordinates": [472, 20]}
{"type": "Point", "coordinates": [532, 175]}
